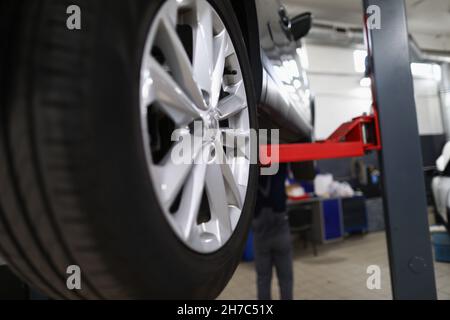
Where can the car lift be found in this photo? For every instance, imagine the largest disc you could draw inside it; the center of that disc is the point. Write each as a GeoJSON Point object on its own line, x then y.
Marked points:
{"type": "Point", "coordinates": [352, 139]}
{"type": "Point", "coordinates": [392, 130]}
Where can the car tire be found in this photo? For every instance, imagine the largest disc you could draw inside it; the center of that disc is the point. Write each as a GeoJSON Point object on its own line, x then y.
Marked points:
{"type": "Point", "coordinates": [75, 184]}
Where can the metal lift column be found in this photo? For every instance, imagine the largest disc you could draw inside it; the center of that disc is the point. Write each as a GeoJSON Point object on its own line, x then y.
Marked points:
{"type": "Point", "coordinates": [410, 256]}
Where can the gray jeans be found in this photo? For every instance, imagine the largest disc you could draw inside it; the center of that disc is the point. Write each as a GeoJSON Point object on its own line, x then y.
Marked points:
{"type": "Point", "coordinates": [273, 248]}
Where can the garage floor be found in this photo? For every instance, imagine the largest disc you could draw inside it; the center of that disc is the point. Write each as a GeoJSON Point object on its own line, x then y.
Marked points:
{"type": "Point", "coordinates": [339, 272]}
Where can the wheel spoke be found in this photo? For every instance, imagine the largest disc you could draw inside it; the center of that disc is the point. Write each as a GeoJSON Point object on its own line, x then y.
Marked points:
{"type": "Point", "coordinates": [233, 104]}
{"type": "Point", "coordinates": [171, 11]}
{"type": "Point", "coordinates": [221, 49]}
{"type": "Point", "coordinates": [171, 176]}
{"type": "Point", "coordinates": [192, 197]}
{"type": "Point", "coordinates": [172, 98]}
{"type": "Point", "coordinates": [203, 46]}
{"type": "Point", "coordinates": [231, 186]}
{"type": "Point", "coordinates": [231, 136]}
{"type": "Point", "coordinates": [236, 140]}
{"type": "Point", "coordinates": [230, 107]}
{"type": "Point", "coordinates": [216, 192]}
{"type": "Point", "coordinates": [178, 61]}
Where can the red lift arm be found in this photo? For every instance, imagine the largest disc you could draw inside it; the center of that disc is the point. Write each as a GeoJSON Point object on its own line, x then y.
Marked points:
{"type": "Point", "coordinates": [352, 139]}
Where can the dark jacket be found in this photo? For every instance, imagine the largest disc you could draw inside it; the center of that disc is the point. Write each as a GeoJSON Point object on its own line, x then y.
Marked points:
{"type": "Point", "coordinates": [272, 192]}
{"type": "Point", "coordinates": [270, 213]}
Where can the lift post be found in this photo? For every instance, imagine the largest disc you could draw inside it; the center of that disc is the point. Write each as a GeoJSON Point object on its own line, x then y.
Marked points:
{"type": "Point", "coordinates": [404, 196]}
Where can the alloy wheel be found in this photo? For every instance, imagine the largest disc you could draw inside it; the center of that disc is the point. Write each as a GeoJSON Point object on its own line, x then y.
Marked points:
{"type": "Point", "coordinates": [192, 93]}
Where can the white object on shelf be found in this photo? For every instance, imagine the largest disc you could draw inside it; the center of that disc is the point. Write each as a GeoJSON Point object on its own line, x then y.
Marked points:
{"type": "Point", "coordinates": [437, 229]}
{"type": "Point", "coordinates": [322, 184]}
{"type": "Point", "coordinates": [326, 187]}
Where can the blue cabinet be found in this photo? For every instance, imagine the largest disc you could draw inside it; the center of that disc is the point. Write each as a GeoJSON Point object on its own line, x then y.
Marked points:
{"type": "Point", "coordinates": [355, 215]}
{"type": "Point", "coordinates": [332, 219]}
{"type": "Point", "coordinates": [328, 222]}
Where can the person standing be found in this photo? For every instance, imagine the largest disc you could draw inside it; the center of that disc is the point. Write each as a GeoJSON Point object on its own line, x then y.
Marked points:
{"type": "Point", "coordinates": [272, 238]}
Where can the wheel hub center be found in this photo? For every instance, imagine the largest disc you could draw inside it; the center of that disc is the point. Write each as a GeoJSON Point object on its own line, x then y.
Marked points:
{"type": "Point", "coordinates": [211, 126]}
{"type": "Point", "coordinates": [212, 121]}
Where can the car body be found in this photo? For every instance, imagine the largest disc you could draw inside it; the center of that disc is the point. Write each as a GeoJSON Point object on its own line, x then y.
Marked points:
{"type": "Point", "coordinates": [286, 102]}
{"type": "Point", "coordinates": [286, 95]}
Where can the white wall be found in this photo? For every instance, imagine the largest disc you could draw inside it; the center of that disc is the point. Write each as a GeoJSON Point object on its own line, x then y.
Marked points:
{"type": "Point", "coordinates": [340, 97]}
{"type": "Point", "coordinates": [445, 97]}
{"type": "Point", "coordinates": [336, 87]}
{"type": "Point", "coordinates": [428, 106]}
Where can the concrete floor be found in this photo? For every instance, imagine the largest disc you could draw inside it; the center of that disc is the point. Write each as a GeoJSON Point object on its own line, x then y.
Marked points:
{"type": "Point", "coordinates": [339, 272]}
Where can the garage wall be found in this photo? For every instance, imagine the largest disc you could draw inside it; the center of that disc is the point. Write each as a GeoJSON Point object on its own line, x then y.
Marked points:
{"type": "Point", "coordinates": [340, 96]}
{"type": "Point", "coordinates": [445, 97]}
{"type": "Point", "coordinates": [428, 107]}
{"type": "Point", "coordinates": [336, 87]}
